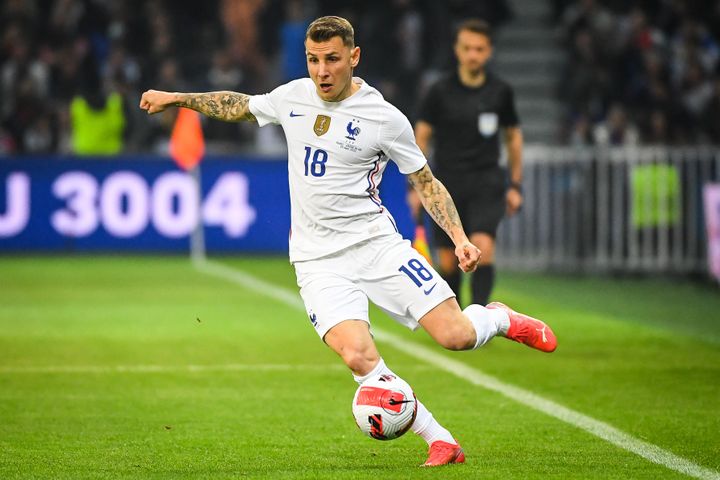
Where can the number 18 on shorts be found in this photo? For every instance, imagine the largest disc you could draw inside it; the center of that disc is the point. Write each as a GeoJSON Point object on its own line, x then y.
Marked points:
{"type": "Point", "coordinates": [385, 270]}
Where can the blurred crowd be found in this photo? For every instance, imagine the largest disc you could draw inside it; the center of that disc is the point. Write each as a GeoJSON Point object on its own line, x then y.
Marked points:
{"type": "Point", "coordinates": [72, 71]}
{"type": "Point", "coordinates": [641, 71]}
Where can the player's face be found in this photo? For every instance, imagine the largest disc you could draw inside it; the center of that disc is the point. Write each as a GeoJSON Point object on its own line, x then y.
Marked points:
{"type": "Point", "coordinates": [330, 65]}
{"type": "Point", "coordinates": [472, 50]}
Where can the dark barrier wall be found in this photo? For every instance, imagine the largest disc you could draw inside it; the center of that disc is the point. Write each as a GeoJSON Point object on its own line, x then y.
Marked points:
{"type": "Point", "coordinates": [148, 204]}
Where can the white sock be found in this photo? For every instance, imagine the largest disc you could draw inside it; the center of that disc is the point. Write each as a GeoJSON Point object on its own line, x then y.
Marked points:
{"type": "Point", "coordinates": [379, 368]}
{"type": "Point", "coordinates": [425, 424]}
{"type": "Point", "coordinates": [428, 428]}
{"type": "Point", "coordinates": [487, 322]}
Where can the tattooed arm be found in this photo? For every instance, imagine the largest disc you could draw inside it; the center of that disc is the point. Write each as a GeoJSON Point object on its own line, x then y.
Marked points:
{"type": "Point", "coordinates": [227, 106]}
{"type": "Point", "coordinates": [438, 203]}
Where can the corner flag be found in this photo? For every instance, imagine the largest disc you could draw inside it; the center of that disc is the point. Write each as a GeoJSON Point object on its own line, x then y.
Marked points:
{"type": "Point", "coordinates": [420, 243]}
{"type": "Point", "coordinates": [187, 144]}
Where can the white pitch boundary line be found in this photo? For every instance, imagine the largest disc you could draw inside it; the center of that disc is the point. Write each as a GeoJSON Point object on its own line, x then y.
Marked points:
{"type": "Point", "coordinates": [232, 367]}
{"type": "Point", "coordinates": [595, 427]}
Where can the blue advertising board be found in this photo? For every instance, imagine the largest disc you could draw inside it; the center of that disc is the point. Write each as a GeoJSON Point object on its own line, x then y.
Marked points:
{"type": "Point", "coordinates": [147, 204]}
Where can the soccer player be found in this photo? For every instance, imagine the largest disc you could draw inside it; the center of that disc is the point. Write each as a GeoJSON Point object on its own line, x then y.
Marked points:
{"type": "Point", "coordinates": [344, 244]}
{"type": "Point", "coordinates": [463, 116]}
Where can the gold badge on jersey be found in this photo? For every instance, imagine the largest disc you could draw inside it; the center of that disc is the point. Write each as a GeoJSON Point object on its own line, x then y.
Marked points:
{"type": "Point", "coordinates": [322, 125]}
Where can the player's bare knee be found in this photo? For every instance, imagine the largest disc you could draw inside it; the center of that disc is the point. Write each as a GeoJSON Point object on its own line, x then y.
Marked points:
{"type": "Point", "coordinates": [360, 361]}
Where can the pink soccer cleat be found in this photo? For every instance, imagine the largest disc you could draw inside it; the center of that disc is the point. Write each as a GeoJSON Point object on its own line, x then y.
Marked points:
{"type": "Point", "coordinates": [530, 331]}
{"type": "Point", "coordinates": [444, 453]}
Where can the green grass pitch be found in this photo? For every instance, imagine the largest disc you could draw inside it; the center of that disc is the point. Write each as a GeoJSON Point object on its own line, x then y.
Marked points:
{"type": "Point", "coordinates": [144, 367]}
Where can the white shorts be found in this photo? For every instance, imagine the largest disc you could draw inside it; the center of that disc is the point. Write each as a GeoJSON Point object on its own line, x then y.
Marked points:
{"type": "Point", "coordinates": [385, 270]}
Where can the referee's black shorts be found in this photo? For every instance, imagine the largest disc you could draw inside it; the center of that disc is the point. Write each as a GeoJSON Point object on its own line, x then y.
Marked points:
{"type": "Point", "coordinates": [480, 200]}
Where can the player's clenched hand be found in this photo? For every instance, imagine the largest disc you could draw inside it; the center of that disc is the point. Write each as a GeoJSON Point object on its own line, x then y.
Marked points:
{"type": "Point", "coordinates": [513, 201]}
{"type": "Point", "coordinates": [155, 101]}
{"type": "Point", "coordinates": [468, 255]}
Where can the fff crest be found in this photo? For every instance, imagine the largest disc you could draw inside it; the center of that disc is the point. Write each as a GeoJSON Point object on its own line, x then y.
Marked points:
{"type": "Point", "coordinates": [322, 125]}
{"type": "Point", "coordinates": [352, 131]}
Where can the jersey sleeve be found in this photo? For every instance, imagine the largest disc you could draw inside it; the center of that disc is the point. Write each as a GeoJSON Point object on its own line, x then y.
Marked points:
{"type": "Point", "coordinates": [397, 141]}
{"type": "Point", "coordinates": [508, 113]}
{"type": "Point", "coordinates": [265, 107]}
{"type": "Point", "coordinates": [428, 110]}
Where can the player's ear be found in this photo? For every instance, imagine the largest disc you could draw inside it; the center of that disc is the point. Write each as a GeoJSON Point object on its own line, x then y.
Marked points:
{"type": "Point", "coordinates": [354, 57]}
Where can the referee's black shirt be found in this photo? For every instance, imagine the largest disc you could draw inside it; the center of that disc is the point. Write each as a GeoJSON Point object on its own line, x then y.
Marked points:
{"type": "Point", "coordinates": [466, 122]}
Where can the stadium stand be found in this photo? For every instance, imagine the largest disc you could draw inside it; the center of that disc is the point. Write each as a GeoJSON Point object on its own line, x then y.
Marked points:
{"type": "Point", "coordinates": [596, 72]}
{"type": "Point", "coordinates": [641, 72]}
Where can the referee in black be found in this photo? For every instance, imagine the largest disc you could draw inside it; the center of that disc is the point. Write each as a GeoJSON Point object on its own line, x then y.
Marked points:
{"type": "Point", "coordinates": [464, 116]}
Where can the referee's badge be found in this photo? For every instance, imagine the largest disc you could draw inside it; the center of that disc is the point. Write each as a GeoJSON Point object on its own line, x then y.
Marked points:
{"type": "Point", "coordinates": [322, 125]}
{"type": "Point", "coordinates": [487, 123]}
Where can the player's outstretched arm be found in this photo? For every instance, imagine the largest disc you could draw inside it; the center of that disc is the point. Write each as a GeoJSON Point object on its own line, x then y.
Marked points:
{"type": "Point", "coordinates": [438, 203]}
{"type": "Point", "coordinates": [225, 105]}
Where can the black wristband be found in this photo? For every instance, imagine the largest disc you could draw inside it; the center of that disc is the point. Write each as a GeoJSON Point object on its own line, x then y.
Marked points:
{"type": "Point", "coordinates": [516, 186]}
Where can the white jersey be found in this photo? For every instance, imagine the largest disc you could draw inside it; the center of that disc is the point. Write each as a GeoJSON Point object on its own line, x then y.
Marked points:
{"type": "Point", "coordinates": [337, 153]}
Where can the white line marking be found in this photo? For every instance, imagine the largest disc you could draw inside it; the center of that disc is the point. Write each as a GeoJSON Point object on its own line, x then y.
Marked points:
{"type": "Point", "coordinates": [596, 427]}
{"type": "Point", "coordinates": [231, 367]}
{"type": "Point", "coordinates": [239, 367]}
{"type": "Point", "coordinates": [600, 429]}
{"type": "Point", "coordinates": [292, 299]}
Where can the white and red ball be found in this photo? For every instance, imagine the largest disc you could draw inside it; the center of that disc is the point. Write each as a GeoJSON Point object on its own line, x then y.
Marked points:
{"type": "Point", "coordinates": [384, 407]}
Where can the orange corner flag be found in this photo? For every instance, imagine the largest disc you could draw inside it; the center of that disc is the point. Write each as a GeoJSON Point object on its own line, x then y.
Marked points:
{"type": "Point", "coordinates": [187, 144]}
{"type": "Point", "coordinates": [420, 243]}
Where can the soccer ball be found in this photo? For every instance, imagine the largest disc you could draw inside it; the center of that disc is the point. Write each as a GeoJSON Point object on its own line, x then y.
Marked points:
{"type": "Point", "coordinates": [384, 407]}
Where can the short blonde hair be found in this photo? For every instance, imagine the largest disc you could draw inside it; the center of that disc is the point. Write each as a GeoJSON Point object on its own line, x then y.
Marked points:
{"type": "Point", "coordinates": [325, 28]}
